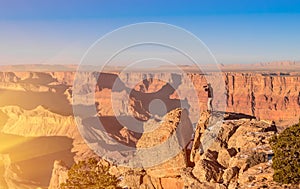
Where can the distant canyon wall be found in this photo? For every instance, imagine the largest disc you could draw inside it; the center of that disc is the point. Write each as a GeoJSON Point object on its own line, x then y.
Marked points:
{"type": "Point", "coordinates": [263, 95]}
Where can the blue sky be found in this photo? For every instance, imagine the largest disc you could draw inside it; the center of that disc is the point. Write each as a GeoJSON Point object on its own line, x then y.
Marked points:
{"type": "Point", "coordinates": [56, 32]}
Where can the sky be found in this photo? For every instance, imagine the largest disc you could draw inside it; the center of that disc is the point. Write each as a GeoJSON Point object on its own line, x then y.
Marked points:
{"type": "Point", "coordinates": [235, 31]}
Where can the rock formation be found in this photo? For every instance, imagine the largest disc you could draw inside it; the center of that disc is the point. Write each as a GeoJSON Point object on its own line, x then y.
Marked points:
{"type": "Point", "coordinates": [238, 157]}
{"type": "Point", "coordinates": [268, 96]}
{"type": "Point", "coordinates": [59, 175]}
{"type": "Point", "coordinates": [39, 104]}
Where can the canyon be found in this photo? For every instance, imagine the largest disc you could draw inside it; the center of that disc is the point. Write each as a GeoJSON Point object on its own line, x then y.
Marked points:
{"type": "Point", "coordinates": [270, 96]}
{"type": "Point", "coordinates": [36, 107]}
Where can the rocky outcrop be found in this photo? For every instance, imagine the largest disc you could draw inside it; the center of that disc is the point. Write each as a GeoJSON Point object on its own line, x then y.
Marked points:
{"type": "Point", "coordinates": [175, 123]}
{"type": "Point", "coordinates": [59, 175]}
{"type": "Point", "coordinates": [36, 104]}
{"type": "Point", "coordinates": [200, 129]}
{"type": "Point", "coordinates": [165, 174]}
{"type": "Point", "coordinates": [237, 157]}
{"type": "Point", "coordinates": [238, 148]}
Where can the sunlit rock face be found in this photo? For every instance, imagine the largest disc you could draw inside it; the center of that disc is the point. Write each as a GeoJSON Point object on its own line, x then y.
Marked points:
{"type": "Point", "coordinates": [39, 104]}
{"type": "Point", "coordinates": [238, 155]}
{"type": "Point", "coordinates": [270, 96]}
{"type": "Point", "coordinates": [59, 174]}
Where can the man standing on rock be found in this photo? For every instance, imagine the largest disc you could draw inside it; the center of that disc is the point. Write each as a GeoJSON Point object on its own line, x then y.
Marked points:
{"type": "Point", "coordinates": [210, 96]}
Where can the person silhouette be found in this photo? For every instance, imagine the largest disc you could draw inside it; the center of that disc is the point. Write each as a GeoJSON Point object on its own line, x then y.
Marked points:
{"type": "Point", "coordinates": [210, 96]}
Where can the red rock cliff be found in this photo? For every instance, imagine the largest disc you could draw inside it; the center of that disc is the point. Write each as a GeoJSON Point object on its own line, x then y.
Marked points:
{"type": "Point", "coordinates": [265, 96]}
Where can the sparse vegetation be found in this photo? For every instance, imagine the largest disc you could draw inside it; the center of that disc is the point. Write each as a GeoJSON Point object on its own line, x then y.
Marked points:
{"type": "Point", "coordinates": [89, 174]}
{"type": "Point", "coordinates": [286, 160]}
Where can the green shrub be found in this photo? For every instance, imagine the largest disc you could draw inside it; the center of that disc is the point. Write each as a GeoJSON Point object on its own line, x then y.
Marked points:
{"type": "Point", "coordinates": [286, 160]}
{"type": "Point", "coordinates": [89, 174]}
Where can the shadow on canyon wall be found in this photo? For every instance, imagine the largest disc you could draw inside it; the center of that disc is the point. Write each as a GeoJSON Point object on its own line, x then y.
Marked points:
{"type": "Point", "coordinates": [57, 101]}
{"type": "Point", "coordinates": [236, 116]}
{"type": "Point", "coordinates": [110, 127]}
{"type": "Point", "coordinates": [54, 102]}
{"type": "Point", "coordinates": [32, 159]}
{"type": "Point", "coordinates": [141, 100]}
{"type": "Point", "coordinates": [38, 78]}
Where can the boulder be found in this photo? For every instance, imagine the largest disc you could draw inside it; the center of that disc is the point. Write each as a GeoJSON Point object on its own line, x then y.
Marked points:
{"type": "Point", "coordinates": [207, 171]}
{"type": "Point", "coordinates": [59, 175]}
{"type": "Point", "coordinates": [164, 148]}
{"type": "Point", "coordinates": [230, 174]}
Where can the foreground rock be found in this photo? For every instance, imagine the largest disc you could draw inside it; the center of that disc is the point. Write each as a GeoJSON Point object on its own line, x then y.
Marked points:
{"type": "Point", "coordinates": [168, 133]}
{"type": "Point", "coordinates": [171, 136]}
{"type": "Point", "coordinates": [59, 175]}
{"type": "Point", "coordinates": [238, 156]}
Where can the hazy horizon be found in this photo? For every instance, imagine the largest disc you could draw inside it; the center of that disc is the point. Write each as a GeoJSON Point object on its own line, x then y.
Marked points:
{"type": "Point", "coordinates": [237, 32]}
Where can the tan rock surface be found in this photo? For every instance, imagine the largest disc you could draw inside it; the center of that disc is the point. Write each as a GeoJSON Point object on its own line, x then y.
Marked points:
{"type": "Point", "coordinates": [237, 147]}
{"type": "Point", "coordinates": [39, 104]}
{"type": "Point", "coordinates": [59, 175]}
{"type": "Point", "coordinates": [166, 133]}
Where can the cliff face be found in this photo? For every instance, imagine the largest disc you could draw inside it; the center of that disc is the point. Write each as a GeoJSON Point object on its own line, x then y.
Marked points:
{"type": "Point", "coordinates": [271, 96]}
{"type": "Point", "coordinates": [59, 175]}
{"type": "Point", "coordinates": [34, 104]}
